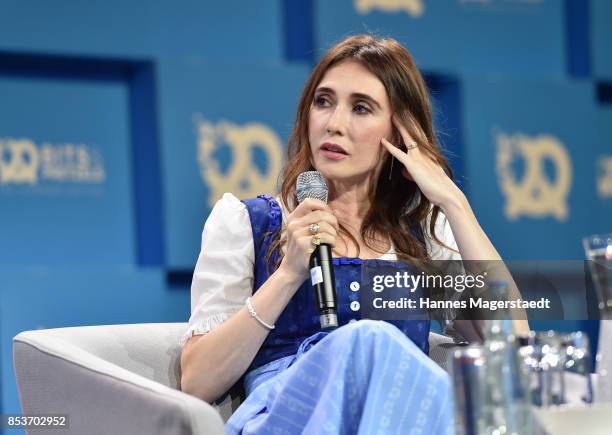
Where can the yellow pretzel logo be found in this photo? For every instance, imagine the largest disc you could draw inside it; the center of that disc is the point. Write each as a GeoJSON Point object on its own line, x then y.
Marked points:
{"type": "Point", "coordinates": [414, 8]}
{"type": "Point", "coordinates": [604, 179]}
{"type": "Point", "coordinates": [534, 194]}
{"type": "Point", "coordinates": [243, 177]}
{"type": "Point", "coordinates": [18, 161]}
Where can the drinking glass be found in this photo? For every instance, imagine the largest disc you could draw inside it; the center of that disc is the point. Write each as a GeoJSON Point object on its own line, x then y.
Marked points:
{"type": "Point", "coordinates": [598, 250]}
{"type": "Point", "coordinates": [466, 366]}
{"type": "Point", "coordinates": [577, 355]}
{"type": "Point", "coordinates": [544, 358]}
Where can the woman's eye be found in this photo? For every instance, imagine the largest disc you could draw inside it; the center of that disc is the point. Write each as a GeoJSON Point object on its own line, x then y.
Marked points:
{"type": "Point", "coordinates": [321, 101]}
{"type": "Point", "coordinates": [360, 108]}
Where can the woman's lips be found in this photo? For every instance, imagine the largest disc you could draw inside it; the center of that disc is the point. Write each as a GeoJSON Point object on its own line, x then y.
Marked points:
{"type": "Point", "coordinates": [332, 155]}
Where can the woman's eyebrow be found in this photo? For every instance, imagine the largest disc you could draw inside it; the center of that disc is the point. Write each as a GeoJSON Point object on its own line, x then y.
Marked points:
{"type": "Point", "coordinates": [360, 96]}
{"type": "Point", "coordinates": [354, 95]}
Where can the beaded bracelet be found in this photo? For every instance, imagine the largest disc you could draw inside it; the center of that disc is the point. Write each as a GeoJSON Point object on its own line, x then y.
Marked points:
{"type": "Point", "coordinates": [253, 314]}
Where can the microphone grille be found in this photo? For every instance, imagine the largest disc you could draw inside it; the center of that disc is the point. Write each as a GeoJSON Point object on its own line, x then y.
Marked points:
{"type": "Point", "coordinates": [311, 184]}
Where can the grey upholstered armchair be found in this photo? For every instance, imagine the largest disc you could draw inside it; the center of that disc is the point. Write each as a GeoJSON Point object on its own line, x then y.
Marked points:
{"type": "Point", "coordinates": [122, 379]}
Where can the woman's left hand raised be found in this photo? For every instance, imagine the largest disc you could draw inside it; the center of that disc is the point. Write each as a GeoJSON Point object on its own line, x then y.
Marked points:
{"type": "Point", "coordinates": [419, 167]}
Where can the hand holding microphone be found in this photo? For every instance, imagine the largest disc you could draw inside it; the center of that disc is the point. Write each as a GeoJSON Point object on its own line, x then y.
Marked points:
{"type": "Point", "coordinates": [311, 184]}
{"type": "Point", "coordinates": [312, 229]}
{"type": "Point", "coordinates": [300, 235]}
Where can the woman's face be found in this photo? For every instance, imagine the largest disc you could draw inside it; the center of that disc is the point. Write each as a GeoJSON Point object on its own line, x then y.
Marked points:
{"type": "Point", "coordinates": [349, 115]}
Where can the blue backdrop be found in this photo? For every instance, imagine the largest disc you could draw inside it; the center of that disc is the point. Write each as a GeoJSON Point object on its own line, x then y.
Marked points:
{"type": "Point", "coordinates": [552, 188]}
{"type": "Point", "coordinates": [505, 37]}
{"type": "Point", "coordinates": [122, 122]}
{"type": "Point", "coordinates": [66, 164]}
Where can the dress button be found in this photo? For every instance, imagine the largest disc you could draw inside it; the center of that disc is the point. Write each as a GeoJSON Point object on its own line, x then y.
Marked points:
{"type": "Point", "coordinates": [355, 306]}
{"type": "Point", "coordinates": [355, 286]}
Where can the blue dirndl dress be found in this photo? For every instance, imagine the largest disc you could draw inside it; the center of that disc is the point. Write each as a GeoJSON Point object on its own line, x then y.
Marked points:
{"type": "Point", "coordinates": [366, 377]}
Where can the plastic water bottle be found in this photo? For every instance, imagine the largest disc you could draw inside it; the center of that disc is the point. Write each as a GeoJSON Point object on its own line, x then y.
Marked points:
{"type": "Point", "coordinates": [506, 402]}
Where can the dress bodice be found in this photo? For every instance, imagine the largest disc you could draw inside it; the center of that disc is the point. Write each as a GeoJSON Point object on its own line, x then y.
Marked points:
{"type": "Point", "coordinates": [300, 319]}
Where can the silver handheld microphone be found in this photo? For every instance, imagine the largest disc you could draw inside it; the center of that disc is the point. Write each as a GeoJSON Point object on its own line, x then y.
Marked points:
{"type": "Point", "coordinates": [311, 184]}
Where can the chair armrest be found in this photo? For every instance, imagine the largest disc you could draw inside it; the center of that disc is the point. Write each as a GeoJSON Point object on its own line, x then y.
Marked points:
{"type": "Point", "coordinates": [56, 377]}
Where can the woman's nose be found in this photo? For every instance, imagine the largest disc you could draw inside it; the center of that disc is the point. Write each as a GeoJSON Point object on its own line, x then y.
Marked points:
{"type": "Point", "coordinates": [336, 121]}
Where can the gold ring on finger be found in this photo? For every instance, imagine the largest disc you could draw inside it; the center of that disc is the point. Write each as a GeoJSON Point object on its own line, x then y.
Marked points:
{"type": "Point", "coordinates": [316, 240]}
{"type": "Point", "coordinates": [313, 228]}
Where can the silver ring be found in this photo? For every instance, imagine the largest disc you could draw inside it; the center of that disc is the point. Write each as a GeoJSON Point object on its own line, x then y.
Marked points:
{"type": "Point", "coordinates": [314, 228]}
{"type": "Point", "coordinates": [412, 146]}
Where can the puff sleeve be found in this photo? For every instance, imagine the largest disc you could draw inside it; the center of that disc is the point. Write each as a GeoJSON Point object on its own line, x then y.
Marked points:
{"type": "Point", "coordinates": [223, 276]}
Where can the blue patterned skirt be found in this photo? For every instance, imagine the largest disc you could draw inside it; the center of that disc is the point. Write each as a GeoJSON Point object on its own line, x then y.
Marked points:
{"type": "Point", "coordinates": [366, 377]}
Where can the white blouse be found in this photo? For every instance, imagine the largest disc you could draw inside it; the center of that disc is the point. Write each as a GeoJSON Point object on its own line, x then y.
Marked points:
{"type": "Point", "coordinates": [224, 273]}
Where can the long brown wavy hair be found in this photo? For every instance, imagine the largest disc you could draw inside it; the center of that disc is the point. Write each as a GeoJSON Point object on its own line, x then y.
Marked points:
{"type": "Point", "coordinates": [397, 206]}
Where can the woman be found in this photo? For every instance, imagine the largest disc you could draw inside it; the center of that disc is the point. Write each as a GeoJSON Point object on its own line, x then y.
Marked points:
{"type": "Point", "coordinates": [364, 122]}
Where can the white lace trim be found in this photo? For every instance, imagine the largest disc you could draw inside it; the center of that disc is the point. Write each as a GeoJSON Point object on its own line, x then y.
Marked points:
{"type": "Point", "coordinates": [204, 326]}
